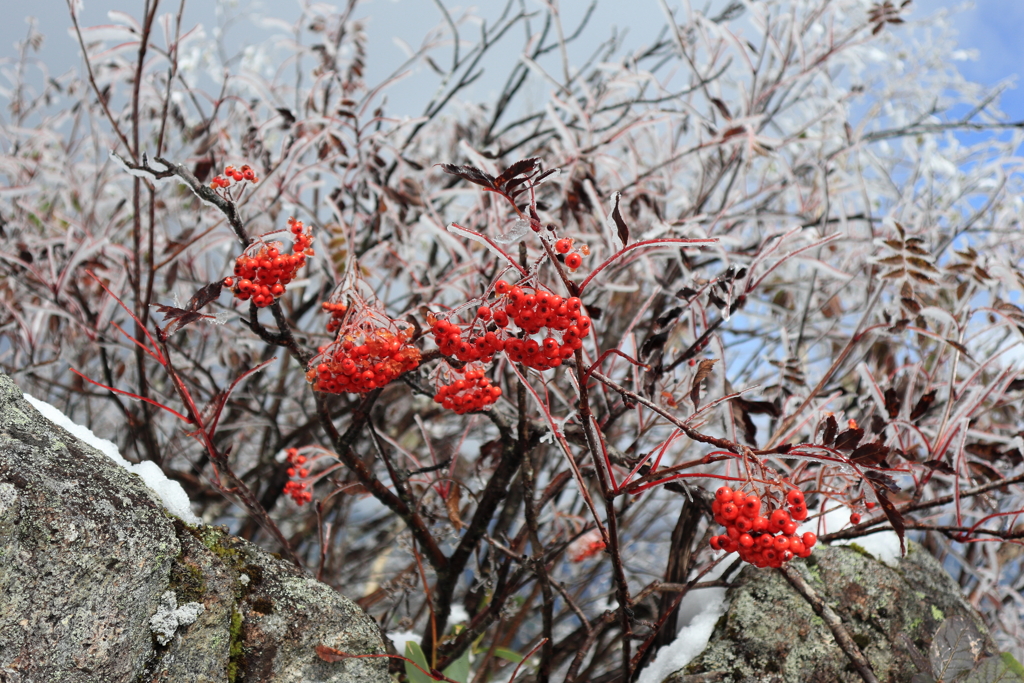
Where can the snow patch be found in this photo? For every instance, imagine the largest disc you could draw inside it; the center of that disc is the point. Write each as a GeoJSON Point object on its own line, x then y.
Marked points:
{"type": "Point", "coordinates": [400, 638]}
{"type": "Point", "coordinates": [699, 611]}
{"type": "Point", "coordinates": [169, 492]}
{"type": "Point", "coordinates": [169, 616]}
{"type": "Point", "coordinates": [458, 615]}
{"type": "Point", "coordinates": [883, 545]}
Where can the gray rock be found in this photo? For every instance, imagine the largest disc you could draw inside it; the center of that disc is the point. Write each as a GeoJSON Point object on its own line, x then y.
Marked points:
{"type": "Point", "coordinates": [88, 559]}
{"type": "Point", "coordinates": [771, 635]}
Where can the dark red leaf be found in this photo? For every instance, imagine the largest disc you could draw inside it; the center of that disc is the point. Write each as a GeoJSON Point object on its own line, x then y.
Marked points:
{"type": "Point", "coordinates": [516, 169]}
{"type": "Point", "coordinates": [873, 454]}
{"type": "Point", "coordinates": [849, 439]}
{"type": "Point", "coordinates": [893, 402]}
{"type": "Point", "coordinates": [831, 427]}
{"type": "Point", "coordinates": [205, 295]}
{"type": "Point", "coordinates": [878, 424]}
{"type": "Point", "coordinates": [923, 405]}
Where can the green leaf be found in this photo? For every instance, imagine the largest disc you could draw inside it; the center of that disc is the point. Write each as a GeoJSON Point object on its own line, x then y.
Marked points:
{"type": "Point", "coordinates": [508, 655]}
{"type": "Point", "coordinates": [459, 669]}
{"type": "Point", "coordinates": [414, 652]}
{"type": "Point", "coordinates": [1012, 664]}
{"type": "Point", "coordinates": [994, 670]}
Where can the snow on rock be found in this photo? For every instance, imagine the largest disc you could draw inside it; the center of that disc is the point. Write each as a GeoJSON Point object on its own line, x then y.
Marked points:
{"type": "Point", "coordinates": [169, 492]}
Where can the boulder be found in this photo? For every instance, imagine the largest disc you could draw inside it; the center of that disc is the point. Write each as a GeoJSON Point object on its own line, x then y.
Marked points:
{"type": "Point", "coordinates": [98, 582]}
{"type": "Point", "coordinates": [770, 634]}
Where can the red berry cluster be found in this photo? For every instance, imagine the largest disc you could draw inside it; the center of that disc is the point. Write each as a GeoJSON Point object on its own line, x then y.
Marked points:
{"type": "Point", "coordinates": [298, 490]}
{"type": "Point", "coordinates": [531, 311]}
{"type": "Point", "coordinates": [363, 359]}
{"type": "Point", "coordinates": [472, 392]}
{"type": "Point", "coordinates": [237, 174]}
{"type": "Point", "coordinates": [761, 541]}
{"type": "Point", "coordinates": [262, 271]}
{"type": "Point", "coordinates": [337, 309]}
{"type": "Point", "coordinates": [575, 259]}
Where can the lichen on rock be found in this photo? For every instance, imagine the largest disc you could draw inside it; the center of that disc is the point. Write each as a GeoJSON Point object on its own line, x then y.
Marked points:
{"type": "Point", "coordinates": [770, 633]}
{"type": "Point", "coordinates": [101, 584]}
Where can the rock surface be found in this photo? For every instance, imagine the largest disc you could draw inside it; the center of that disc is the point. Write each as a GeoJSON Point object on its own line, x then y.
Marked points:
{"type": "Point", "coordinates": [770, 634]}
{"type": "Point", "coordinates": [88, 556]}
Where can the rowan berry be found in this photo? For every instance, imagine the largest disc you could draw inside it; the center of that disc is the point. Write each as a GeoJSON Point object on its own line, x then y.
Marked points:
{"type": "Point", "coordinates": [262, 272]}
{"type": "Point", "coordinates": [795, 497]}
{"type": "Point", "coordinates": [573, 261]}
{"type": "Point", "coordinates": [563, 246]}
{"type": "Point", "coordinates": [855, 518]}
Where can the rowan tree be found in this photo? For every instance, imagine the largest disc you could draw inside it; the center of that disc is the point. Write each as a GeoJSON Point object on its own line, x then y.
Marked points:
{"type": "Point", "coordinates": [486, 357]}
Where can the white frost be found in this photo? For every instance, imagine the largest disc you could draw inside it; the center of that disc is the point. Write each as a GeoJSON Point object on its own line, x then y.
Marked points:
{"type": "Point", "coordinates": [169, 617]}
{"type": "Point", "coordinates": [169, 492]}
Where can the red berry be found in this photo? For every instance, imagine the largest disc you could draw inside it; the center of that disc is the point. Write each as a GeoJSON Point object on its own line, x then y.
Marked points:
{"type": "Point", "coordinates": [724, 494]}
{"type": "Point", "coordinates": [809, 539]}
{"type": "Point", "coordinates": [795, 497]}
{"type": "Point", "coordinates": [573, 261]}
{"type": "Point", "coordinates": [563, 246]}
{"type": "Point", "coordinates": [855, 518]}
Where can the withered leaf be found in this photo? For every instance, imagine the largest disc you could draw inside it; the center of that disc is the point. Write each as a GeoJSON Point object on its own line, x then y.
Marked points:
{"type": "Point", "coordinates": [911, 305]}
{"type": "Point", "coordinates": [743, 409]}
{"type": "Point", "coordinates": [470, 173]}
{"type": "Point", "coordinates": [451, 504]}
{"type": "Point", "coordinates": [686, 293]}
{"type": "Point", "coordinates": [959, 347]}
{"type": "Point", "coordinates": [669, 316]}
{"type": "Point", "coordinates": [831, 428]}
{"type": "Point", "coordinates": [882, 479]}
{"type": "Point", "coordinates": [878, 424]}
{"type": "Point", "coordinates": [704, 369]}
{"type": "Point", "coordinates": [984, 471]}
{"type": "Point", "coordinates": [204, 296]}
{"type": "Point", "coordinates": [329, 654]}
{"type": "Point", "coordinates": [720, 105]}
{"type": "Point", "coordinates": [894, 517]}
{"type": "Point", "coordinates": [654, 342]}
{"type": "Point", "coordinates": [715, 300]}
{"type": "Point", "coordinates": [620, 225]}
{"type": "Point", "coordinates": [923, 405]}
{"type": "Point", "coordinates": [939, 466]}
{"type": "Point", "coordinates": [849, 439]}
{"type": "Point", "coordinates": [893, 402]}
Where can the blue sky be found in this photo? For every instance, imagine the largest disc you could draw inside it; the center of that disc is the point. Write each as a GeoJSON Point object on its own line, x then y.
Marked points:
{"type": "Point", "coordinates": [992, 27]}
